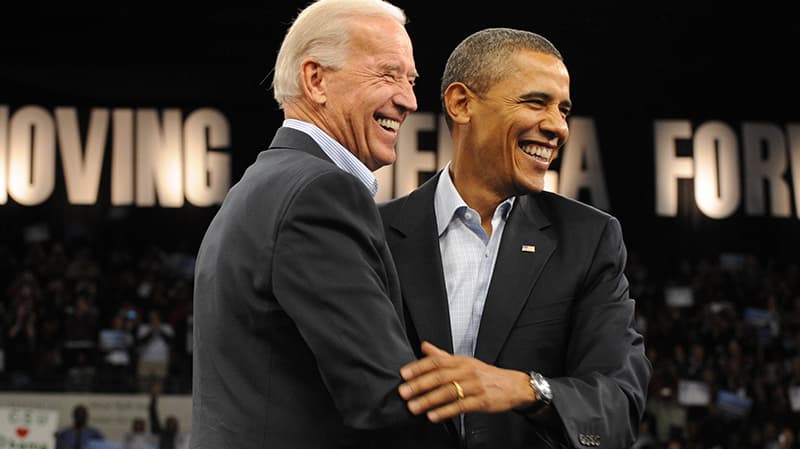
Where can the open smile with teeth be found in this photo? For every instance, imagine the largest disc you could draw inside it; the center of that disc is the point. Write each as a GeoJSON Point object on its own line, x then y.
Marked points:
{"type": "Point", "coordinates": [388, 124]}
{"type": "Point", "coordinates": [538, 152]}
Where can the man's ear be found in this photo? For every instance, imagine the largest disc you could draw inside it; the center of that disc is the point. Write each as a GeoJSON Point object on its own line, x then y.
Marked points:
{"type": "Point", "coordinates": [457, 101]}
{"type": "Point", "coordinates": [312, 80]}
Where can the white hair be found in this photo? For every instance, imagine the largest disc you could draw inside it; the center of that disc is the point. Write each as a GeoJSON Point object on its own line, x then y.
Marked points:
{"type": "Point", "coordinates": [321, 31]}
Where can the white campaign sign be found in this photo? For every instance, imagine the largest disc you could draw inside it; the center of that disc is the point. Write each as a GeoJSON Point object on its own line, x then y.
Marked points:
{"type": "Point", "coordinates": [27, 428]}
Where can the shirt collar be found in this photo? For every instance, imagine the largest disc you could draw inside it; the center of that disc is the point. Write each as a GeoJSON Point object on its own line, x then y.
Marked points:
{"type": "Point", "coordinates": [340, 155]}
{"type": "Point", "coordinates": [447, 201]}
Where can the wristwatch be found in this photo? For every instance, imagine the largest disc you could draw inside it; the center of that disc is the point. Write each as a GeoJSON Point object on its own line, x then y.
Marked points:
{"type": "Point", "coordinates": [541, 388]}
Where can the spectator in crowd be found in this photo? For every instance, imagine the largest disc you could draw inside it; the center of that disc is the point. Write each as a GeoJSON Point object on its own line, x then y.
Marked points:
{"type": "Point", "coordinates": [180, 317]}
{"type": "Point", "coordinates": [80, 434]}
{"type": "Point", "coordinates": [786, 440]}
{"type": "Point", "coordinates": [117, 352]}
{"type": "Point", "coordinates": [81, 375]}
{"type": "Point", "coordinates": [154, 342]}
{"type": "Point", "coordinates": [81, 325]}
{"type": "Point", "coordinates": [168, 435]}
{"type": "Point", "coordinates": [139, 437]}
{"type": "Point", "coordinates": [20, 344]}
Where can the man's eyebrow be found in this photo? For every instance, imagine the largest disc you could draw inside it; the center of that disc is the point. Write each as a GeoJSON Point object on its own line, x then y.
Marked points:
{"type": "Point", "coordinates": [395, 69]}
{"type": "Point", "coordinates": [537, 95]}
{"type": "Point", "coordinates": [390, 67]}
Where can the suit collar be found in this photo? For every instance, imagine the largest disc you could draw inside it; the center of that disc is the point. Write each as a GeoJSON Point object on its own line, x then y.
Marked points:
{"type": "Point", "coordinates": [297, 140]}
{"type": "Point", "coordinates": [419, 265]}
{"type": "Point", "coordinates": [417, 208]}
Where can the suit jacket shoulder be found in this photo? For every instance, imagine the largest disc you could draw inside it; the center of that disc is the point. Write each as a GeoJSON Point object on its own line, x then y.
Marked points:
{"type": "Point", "coordinates": [555, 205]}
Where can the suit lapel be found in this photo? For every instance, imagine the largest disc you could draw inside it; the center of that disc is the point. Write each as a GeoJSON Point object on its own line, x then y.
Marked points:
{"type": "Point", "coordinates": [524, 250]}
{"type": "Point", "coordinates": [414, 247]}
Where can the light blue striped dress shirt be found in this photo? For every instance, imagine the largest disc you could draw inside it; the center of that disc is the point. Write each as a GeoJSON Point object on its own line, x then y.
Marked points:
{"type": "Point", "coordinates": [468, 258]}
{"type": "Point", "coordinates": [340, 155]}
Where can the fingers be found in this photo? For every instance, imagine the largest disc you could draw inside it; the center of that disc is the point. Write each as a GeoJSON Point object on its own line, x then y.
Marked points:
{"type": "Point", "coordinates": [438, 384]}
{"type": "Point", "coordinates": [451, 409]}
{"type": "Point", "coordinates": [430, 349]}
{"type": "Point", "coordinates": [436, 359]}
{"type": "Point", "coordinates": [417, 368]}
{"type": "Point", "coordinates": [428, 380]}
{"type": "Point", "coordinates": [447, 400]}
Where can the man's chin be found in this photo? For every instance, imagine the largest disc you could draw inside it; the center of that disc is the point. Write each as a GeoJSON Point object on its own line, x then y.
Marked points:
{"type": "Point", "coordinates": [530, 187]}
{"type": "Point", "coordinates": [377, 163]}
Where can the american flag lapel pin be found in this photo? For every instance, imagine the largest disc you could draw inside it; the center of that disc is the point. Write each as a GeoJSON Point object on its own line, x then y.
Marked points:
{"type": "Point", "coordinates": [528, 248]}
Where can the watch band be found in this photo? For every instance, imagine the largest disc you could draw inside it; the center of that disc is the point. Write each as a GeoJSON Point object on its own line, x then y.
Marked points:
{"type": "Point", "coordinates": [541, 388]}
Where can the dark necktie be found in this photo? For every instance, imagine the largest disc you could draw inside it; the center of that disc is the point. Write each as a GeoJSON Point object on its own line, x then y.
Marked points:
{"type": "Point", "coordinates": [77, 444]}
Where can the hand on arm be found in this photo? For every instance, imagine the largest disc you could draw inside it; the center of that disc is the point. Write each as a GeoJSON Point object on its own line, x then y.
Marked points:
{"type": "Point", "coordinates": [429, 385]}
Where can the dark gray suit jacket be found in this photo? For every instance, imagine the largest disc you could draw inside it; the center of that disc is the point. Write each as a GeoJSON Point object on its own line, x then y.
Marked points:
{"type": "Point", "coordinates": [561, 307]}
{"type": "Point", "coordinates": [298, 338]}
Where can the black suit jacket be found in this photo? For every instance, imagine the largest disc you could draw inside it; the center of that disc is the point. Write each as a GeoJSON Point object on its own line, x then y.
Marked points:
{"type": "Point", "coordinates": [560, 307]}
{"type": "Point", "coordinates": [298, 340]}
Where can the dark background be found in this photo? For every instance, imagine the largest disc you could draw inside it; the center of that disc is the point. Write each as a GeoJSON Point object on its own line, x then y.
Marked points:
{"type": "Point", "coordinates": [630, 64]}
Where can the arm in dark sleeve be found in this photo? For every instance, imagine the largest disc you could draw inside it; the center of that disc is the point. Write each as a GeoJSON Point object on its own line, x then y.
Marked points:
{"type": "Point", "coordinates": [333, 271]}
{"type": "Point", "coordinates": [602, 399]}
{"type": "Point", "coordinates": [155, 424]}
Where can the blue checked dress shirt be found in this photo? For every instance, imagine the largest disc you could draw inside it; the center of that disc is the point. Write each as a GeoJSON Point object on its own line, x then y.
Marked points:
{"type": "Point", "coordinates": [468, 258]}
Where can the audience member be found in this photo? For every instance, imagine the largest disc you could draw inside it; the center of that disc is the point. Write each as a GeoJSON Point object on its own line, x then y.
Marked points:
{"type": "Point", "coordinates": [154, 341]}
{"type": "Point", "coordinates": [168, 435]}
{"type": "Point", "coordinates": [117, 352]}
{"type": "Point", "coordinates": [139, 437]}
{"type": "Point", "coordinates": [20, 344]}
{"type": "Point", "coordinates": [80, 434]}
{"type": "Point", "coordinates": [81, 325]}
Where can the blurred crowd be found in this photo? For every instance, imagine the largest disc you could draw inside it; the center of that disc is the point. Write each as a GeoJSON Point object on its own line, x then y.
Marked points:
{"type": "Point", "coordinates": [82, 434]}
{"type": "Point", "coordinates": [82, 318]}
{"type": "Point", "coordinates": [722, 332]}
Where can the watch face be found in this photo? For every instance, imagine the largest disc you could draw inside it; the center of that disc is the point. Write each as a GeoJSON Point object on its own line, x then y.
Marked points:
{"type": "Point", "coordinates": [542, 387]}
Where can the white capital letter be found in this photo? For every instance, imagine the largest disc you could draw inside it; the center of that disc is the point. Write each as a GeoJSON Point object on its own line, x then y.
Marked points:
{"type": "Point", "coordinates": [158, 158]}
{"type": "Point", "coordinates": [715, 146]}
{"type": "Point", "coordinates": [669, 167]}
{"type": "Point", "coordinates": [32, 156]}
{"type": "Point", "coordinates": [82, 168]}
{"type": "Point", "coordinates": [765, 160]}
{"type": "Point", "coordinates": [581, 166]}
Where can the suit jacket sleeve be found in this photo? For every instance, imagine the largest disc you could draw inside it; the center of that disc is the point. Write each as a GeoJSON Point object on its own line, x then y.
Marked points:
{"type": "Point", "coordinates": [601, 401]}
{"type": "Point", "coordinates": [334, 277]}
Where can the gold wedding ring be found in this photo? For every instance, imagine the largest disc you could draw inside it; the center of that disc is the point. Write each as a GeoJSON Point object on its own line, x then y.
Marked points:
{"type": "Point", "coordinates": [459, 390]}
